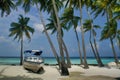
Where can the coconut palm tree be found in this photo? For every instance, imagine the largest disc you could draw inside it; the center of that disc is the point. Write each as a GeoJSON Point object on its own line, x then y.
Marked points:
{"type": "Point", "coordinates": [40, 5]}
{"type": "Point", "coordinates": [78, 4]}
{"type": "Point", "coordinates": [69, 20]}
{"type": "Point", "coordinates": [64, 70]}
{"type": "Point", "coordinates": [91, 28]}
{"type": "Point", "coordinates": [19, 29]}
{"type": "Point", "coordinates": [118, 38]}
{"type": "Point", "coordinates": [82, 34]}
{"type": "Point", "coordinates": [53, 26]}
{"type": "Point", "coordinates": [6, 6]}
{"type": "Point", "coordinates": [116, 10]}
{"type": "Point", "coordinates": [108, 31]}
{"type": "Point", "coordinates": [50, 9]}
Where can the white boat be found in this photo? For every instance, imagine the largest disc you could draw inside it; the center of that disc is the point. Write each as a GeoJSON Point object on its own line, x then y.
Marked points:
{"type": "Point", "coordinates": [33, 61]}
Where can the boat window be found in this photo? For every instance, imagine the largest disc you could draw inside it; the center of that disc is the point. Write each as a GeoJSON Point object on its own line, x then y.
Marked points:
{"type": "Point", "coordinates": [35, 58]}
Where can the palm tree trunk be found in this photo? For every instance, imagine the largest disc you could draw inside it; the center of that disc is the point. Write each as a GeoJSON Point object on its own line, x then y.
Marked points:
{"type": "Point", "coordinates": [49, 40]}
{"type": "Point", "coordinates": [21, 54]}
{"type": "Point", "coordinates": [82, 31]}
{"type": "Point", "coordinates": [114, 53]}
{"type": "Point", "coordinates": [111, 41]}
{"type": "Point", "coordinates": [92, 47]}
{"type": "Point", "coordinates": [95, 51]}
{"type": "Point", "coordinates": [80, 53]}
{"type": "Point", "coordinates": [64, 69]}
{"type": "Point", "coordinates": [100, 64]}
{"type": "Point", "coordinates": [67, 55]}
{"type": "Point", "coordinates": [64, 46]}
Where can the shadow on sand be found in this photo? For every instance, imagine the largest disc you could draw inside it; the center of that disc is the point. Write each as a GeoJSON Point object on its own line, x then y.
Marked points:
{"type": "Point", "coordinates": [18, 78]}
{"type": "Point", "coordinates": [79, 76]}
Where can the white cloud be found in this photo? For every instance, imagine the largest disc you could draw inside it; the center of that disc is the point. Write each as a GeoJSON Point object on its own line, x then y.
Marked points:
{"type": "Point", "coordinates": [78, 29]}
{"type": "Point", "coordinates": [40, 28]}
{"type": "Point", "coordinates": [3, 39]}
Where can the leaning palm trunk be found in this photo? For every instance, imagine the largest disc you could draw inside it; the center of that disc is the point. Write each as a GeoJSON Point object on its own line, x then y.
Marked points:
{"type": "Point", "coordinates": [100, 64]}
{"type": "Point", "coordinates": [111, 40]}
{"type": "Point", "coordinates": [93, 47]}
{"type": "Point", "coordinates": [96, 56]}
{"type": "Point", "coordinates": [80, 53]}
{"type": "Point", "coordinates": [64, 69]}
{"type": "Point", "coordinates": [82, 31]}
{"type": "Point", "coordinates": [114, 53]}
{"type": "Point", "coordinates": [67, 55]}
{"type": "Point", "coordinates": [95, 50]}
{"type": "Point", "coordinates": [49, 40]}
{"type": "Point", "coordinates": [21, 55]}
{"type": "Point", "coordinates": [64, 46]}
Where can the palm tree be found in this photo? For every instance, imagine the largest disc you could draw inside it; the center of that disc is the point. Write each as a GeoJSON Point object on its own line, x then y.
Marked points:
{"type": "Point", "coordinates": [50, 9]}
{"type": "Point", "coordinates": [82, 34]}
{"type": "Point", "coordinates": [53, 26]}
{"type": "Point", "coordinates": [6, 6]}
{"type": "Point", "coordinates": [69, 20]}
{"type": "Point", "coordinates": [40, 5]}
{"type": "Point", "coordinates": [109, 31]}
{"type": "Point", "coordinates": [116, 10]}
{"type": "Point", "coordinates": [110, 28]}
{"type": "Point", "coordinates": [64, 70]}
{"type": "Point", "coordinates": [78, 4]}
{"type": "Point", "coordinates": [89, 27]}
{"type": "Point", "coordinates": [19, 29]}
{"type": "Point", "coordinates": [118, 38]}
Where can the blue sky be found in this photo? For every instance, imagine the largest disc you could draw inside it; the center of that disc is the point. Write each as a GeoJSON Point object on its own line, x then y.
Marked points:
{"type": "Point", "coordinates": [10, 47]}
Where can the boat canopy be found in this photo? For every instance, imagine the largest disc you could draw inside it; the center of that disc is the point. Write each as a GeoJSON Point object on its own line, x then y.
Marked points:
{"type": "Point", "coordinates": [36, 52]}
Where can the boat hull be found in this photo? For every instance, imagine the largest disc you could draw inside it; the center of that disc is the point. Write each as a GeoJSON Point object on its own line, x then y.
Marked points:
{"type": "Point", "coordinates": [33, 66]}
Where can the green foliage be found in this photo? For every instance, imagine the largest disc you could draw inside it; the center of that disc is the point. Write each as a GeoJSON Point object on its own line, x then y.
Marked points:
{"type": "Point", "coordinates": [118, 38]}
{"type": "Point", "coordinates": [68, 18]}
{"type": "Point", "coordinates": [87, 25]}
{"type": "Point", "coordinates": [26, 4]}
{"type": "Point", "coordinates": [6, 6]}
{"type": "Point", "coordinates": [49, 7]}
{"type": "Point", "coordinates": [19, 29]}
{"type": "Point", "coordinates": [52, 25]}
{"type": "Point", "coordinates": [109, 30]}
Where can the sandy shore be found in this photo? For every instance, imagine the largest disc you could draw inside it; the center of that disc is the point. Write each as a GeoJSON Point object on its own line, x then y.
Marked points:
{"type": "Point", "coordinates": [52, 73]}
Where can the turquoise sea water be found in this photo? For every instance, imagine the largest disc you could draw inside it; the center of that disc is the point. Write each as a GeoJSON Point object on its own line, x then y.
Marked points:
{"type": "Point", "coordinates": [51, 60]}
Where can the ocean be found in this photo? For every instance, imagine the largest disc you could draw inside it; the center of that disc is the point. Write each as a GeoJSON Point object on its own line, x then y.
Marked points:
{"type": "Point", "coordinates": [51, 60]}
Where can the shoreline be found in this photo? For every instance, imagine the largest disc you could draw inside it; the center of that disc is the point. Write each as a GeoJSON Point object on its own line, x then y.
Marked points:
{"type": "Point", "coordinates": [51, 72]}
{"type": "Point", "coordinates": [52, 60]}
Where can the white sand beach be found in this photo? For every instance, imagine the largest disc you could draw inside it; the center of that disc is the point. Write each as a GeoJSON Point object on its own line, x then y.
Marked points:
{"type": "Point", "coordinates": [52, 72]}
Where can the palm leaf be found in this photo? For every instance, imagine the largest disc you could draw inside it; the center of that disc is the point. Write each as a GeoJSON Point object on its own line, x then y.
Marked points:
{"type": "Point", "coordinates": [6, 6]}
{"type": "Point", "coordinates": [18, 29]}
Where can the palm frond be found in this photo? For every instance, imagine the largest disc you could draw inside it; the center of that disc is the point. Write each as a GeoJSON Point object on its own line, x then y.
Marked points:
{"type": "Point", "coordinates": [6, 6]}
{"type": "Point", "coordinates": [18, 29]}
